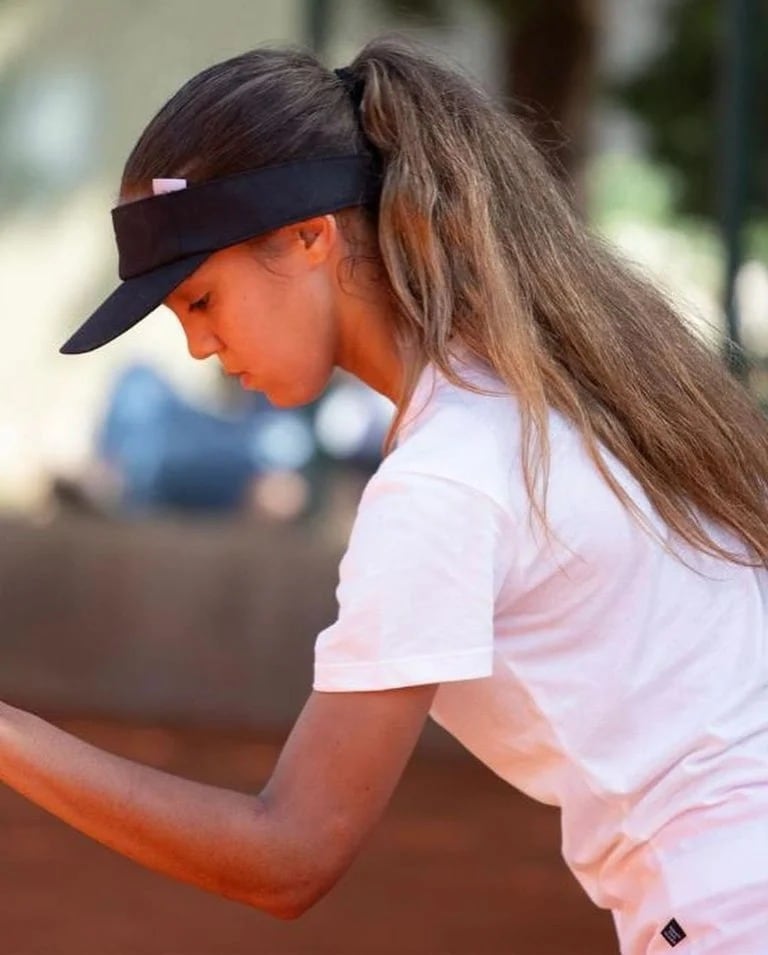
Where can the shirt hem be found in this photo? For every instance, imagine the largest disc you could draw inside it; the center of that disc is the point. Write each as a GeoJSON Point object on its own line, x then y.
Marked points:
{"type": "Point", "coordinates": [406, 671]}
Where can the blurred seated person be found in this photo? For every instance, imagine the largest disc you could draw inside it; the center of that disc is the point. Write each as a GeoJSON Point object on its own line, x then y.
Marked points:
{"type": "Point", "coordinates": [157, 452]}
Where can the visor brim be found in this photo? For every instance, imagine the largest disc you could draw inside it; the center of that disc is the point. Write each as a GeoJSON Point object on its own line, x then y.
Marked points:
{"type": "Point", "coordinates": [131, 301]}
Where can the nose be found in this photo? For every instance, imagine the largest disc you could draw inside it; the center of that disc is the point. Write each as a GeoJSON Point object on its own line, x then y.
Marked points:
{"type": "Point", "coordinates": [201, 342]}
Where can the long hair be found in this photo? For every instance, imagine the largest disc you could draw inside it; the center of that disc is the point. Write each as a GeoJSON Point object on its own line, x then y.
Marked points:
{"type": "Point", "coordinates": [480, 245]}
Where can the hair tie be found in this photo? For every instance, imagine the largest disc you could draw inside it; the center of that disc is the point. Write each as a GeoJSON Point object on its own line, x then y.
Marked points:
{"type": "Point", "coordinates": [354, 85]}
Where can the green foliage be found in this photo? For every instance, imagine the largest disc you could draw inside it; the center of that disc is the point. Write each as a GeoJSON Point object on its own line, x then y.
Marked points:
{"type": "Point", "coordinates": [678, 96]}
{"type": "Point", "coordinates": [438, 11]}
{"type": "Point", "coordinates": [434, 10]}
{"type": "Point", "coordinates": [630, 188]}
{"type": "Point", "coordinates": [756, 241]}
{"type": "Point", "coordinates": [512, 9]}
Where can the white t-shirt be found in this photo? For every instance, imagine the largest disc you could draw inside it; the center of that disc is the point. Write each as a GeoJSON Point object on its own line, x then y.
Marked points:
{"type": "Point", "coordinates": [600, 675]}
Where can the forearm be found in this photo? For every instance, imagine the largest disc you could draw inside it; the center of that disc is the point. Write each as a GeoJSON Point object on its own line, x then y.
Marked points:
{"type": "Point", "coordinates": [217, 839]}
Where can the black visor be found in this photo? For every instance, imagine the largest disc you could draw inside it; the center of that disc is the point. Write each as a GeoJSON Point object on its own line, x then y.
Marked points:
{"type": "Point", "coordinates": [161, 240]}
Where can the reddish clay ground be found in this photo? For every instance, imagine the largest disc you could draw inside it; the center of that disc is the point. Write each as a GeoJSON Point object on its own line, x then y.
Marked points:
{"type": "Point", "coordinates": [461, 865]}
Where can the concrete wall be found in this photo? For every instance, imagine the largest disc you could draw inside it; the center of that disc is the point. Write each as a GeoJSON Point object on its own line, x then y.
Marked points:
{"type": "Point", "coordinates": [189, 622]}
{"type": "Point", "coordinates": [177, 623]}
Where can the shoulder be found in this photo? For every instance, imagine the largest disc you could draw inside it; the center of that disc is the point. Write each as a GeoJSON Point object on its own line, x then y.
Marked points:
{"type": "Point", "coordinates": [456, 435]}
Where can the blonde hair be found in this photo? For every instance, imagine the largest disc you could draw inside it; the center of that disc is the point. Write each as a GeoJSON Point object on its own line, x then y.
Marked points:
{"type": "Point", "coordinates": [480, 245]}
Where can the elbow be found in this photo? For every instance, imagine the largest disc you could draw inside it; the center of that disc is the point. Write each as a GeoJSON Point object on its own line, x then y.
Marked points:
{"type": "Point", "coordinates": [302, 891]}
{"type": "Point", "coordinates": [299, 896]}
{"type": "Point", "coordinates": [288, 910]}
{"type": "Point", "coordinates": [290, 907]}
{"type": "Point", "coordinates": [293, 903]}
{"type": "Point", "coordinates": [287, 900]}
{"type": "Point", "coordinates": [308, 869]}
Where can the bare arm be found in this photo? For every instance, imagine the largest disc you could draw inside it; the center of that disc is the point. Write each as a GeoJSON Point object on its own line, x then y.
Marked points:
{"type": "Point", "coordinates": [278, 851]}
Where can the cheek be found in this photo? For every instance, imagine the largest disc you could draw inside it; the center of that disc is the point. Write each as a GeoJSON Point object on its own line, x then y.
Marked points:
{"type": "Point", "coordinates": [302, 353]}
{"type": "Point", "coordinates": [242, 322]}
{"type": "Point", "coordinates": [295, 392]}
{"type": "Point", "coordinates": [284, 335]}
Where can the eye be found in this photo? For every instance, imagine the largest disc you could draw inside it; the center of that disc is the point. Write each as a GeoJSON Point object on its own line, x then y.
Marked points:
{"type": "Point", "coordinates": [201, 304]}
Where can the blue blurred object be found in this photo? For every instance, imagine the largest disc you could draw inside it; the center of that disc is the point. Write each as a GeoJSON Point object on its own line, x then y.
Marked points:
{"type": "Point", "coordinates": [172, 455]}
{"type": "Point", "coordinates": [351, 423]}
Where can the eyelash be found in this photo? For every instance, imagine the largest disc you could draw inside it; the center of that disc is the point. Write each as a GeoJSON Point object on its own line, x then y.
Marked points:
{"type": "Point", "coordinates": [201, 304]}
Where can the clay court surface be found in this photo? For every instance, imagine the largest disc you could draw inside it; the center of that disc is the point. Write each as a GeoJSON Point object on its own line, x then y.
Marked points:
{"type": "Point", "coordinates": [460, 865]}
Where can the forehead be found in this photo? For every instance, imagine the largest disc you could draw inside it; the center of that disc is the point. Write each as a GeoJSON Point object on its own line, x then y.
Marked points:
{"type": "Point", "coordinates": [185, 290]}
{"type": "Point", "coordinates": [189, 289]}
{"type": "Point", "coordinates": [218, 267]}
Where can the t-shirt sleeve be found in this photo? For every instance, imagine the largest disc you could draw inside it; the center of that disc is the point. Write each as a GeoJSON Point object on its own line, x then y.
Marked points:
{"type": "Point", "coordinates": [417, 587]}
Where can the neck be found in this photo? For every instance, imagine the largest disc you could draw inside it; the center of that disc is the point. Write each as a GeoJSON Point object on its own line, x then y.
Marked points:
{"type": "Point", "coordinates": [368, 348]}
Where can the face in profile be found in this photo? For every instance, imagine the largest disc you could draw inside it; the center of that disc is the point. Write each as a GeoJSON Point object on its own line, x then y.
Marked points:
{"type": "Point", "coordinates": [267, 310]}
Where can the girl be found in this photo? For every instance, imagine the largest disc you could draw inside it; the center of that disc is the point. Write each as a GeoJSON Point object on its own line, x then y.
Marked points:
{"type": "Point", "coordinates": [562, 558]}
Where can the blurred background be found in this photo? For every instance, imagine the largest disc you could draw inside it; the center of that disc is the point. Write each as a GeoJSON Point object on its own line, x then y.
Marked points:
{"type": "Point", "coordinates": [169, 544]}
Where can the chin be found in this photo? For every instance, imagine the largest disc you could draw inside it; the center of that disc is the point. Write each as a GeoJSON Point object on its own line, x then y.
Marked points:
{"type": "Point", "coordinates": [295, 394]}
{"type": "Point", "coordinates": [283, 401]}
{"type": "Point", "coordinates": [294, 399]}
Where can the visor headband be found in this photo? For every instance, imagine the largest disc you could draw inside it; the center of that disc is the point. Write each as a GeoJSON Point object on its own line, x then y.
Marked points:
{"type": "Point", "coordinates": [212, 215]}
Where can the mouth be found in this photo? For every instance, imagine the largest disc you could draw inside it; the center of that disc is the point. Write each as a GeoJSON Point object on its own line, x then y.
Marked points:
{"type": "Point", "coordinates": [245, 377]}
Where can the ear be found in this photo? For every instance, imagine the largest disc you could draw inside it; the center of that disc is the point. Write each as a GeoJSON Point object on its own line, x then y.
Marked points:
{"type": "Point", "coordinates": [316, 237]}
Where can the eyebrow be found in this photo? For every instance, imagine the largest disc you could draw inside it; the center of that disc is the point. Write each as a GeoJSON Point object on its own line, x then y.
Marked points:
{"type": "Point", "coordinates": [181, 293]}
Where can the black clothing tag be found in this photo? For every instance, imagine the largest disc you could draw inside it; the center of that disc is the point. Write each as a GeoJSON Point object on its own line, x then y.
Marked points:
{"type": "Point", "coordinates": [673, 933]}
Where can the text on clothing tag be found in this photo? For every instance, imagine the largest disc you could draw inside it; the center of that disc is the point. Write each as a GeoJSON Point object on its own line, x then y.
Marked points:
{"type": "Point", "coordinates": [673, 933]}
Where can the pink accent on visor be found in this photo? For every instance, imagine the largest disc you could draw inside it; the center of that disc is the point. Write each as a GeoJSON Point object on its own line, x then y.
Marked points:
{"type": "Point", "coordinates": [161, 186]}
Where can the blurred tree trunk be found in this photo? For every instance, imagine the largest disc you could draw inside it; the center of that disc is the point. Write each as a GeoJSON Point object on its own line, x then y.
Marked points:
{"type": "Point", "coordinates": [550, 61]}
{"type": "Point", "coordinates": [551, 69]}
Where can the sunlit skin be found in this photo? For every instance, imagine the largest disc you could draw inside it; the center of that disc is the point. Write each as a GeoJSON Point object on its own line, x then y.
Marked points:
{"type": "Point", "coordinates": [283, 314]}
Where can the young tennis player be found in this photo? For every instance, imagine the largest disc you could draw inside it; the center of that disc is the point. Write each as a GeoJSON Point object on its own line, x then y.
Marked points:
{"type": "Point", "coordinates": [562, 558]}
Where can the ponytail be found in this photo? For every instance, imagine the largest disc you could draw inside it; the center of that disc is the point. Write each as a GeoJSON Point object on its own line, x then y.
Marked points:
{"type": "Point", "coordinates": [481, 245]}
